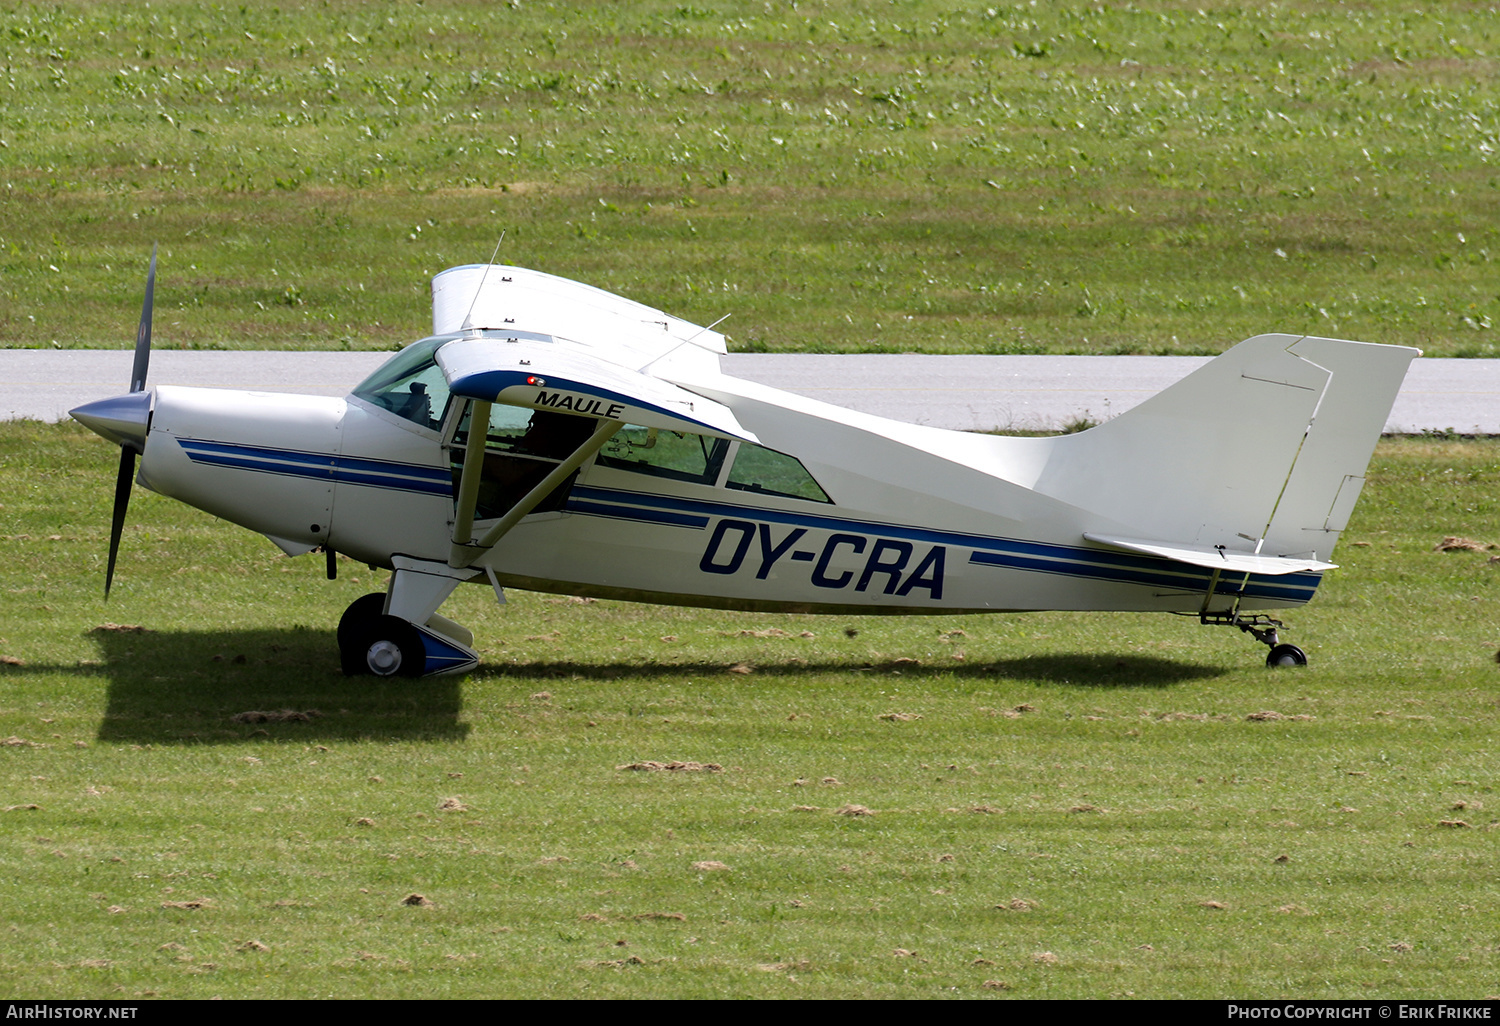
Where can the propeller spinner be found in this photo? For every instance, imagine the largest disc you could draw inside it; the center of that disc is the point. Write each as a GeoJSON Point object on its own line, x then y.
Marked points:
{"type": "Point", "coordinates": [125, 420]}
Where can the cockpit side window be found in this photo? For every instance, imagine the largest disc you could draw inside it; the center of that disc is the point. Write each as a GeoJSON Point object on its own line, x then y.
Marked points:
{"type": "Point", "coordinates": [521, 448]}
{"type": "Point", "coordinates": [523, 432]}
{"type": "Point", "coordinates": [664, 453]}
{"type": "Point", "coordinates": [410, 385]}
{"type": "Point", "coordinates": [700, 459]}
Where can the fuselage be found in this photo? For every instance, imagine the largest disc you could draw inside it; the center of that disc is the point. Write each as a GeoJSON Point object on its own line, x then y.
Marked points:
{"type": "Point", "coordinates": [831, 512]}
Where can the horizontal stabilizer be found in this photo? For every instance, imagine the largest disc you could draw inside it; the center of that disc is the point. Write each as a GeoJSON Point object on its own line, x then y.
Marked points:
{"type": "Point", "coordinates": [1214, 558]}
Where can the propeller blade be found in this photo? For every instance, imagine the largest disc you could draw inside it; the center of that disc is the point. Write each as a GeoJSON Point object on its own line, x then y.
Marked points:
{"type": "Point", "coordinates": [123, 482]}
{"type": "Point", "coordinates": [126, 477]}
{"type": "Point", "coordinates": [143, 332]}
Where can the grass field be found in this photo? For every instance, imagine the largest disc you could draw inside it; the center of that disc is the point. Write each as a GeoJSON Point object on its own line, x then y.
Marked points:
{"type": "Point", "coordinates": [1154, 177]}
{"type": "Point", "coordinates": [1031, 806]}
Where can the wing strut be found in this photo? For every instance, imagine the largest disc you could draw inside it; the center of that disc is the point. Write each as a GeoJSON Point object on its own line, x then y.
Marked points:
{"type": "Point", "coordinates": [468, 484]}
{"type": "Point", "coordinates": [465, 552]}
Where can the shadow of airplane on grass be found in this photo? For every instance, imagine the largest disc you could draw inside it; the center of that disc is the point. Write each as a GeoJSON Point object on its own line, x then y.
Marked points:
{"type": "Point", "coordinates": [214, 687]}
{"type": "Point", "coordinates": [185, 687]}
{"type": "Point", "coordinates": [1080, 670]}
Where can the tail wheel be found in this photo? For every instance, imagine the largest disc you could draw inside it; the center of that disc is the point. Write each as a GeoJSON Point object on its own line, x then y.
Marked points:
{"type": "Point", "coordinates": [1286, 655]}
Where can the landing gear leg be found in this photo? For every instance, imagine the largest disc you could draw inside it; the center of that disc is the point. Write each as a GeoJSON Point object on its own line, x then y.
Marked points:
{"type": "Point", "coordinates": [1264, 630]}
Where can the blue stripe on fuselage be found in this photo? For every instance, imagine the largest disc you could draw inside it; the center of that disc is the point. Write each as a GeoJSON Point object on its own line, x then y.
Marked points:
{"type": "Point", "coordinates": [1006, 553]}
{"type": "Point", "coordinates": [406, 477]}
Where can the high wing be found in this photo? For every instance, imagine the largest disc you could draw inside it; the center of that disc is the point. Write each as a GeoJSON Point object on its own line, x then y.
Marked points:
{"type": "Point", "coordinates": [544, 373]}
{"type": "Point", "coordinates": [609, 327]}
{"type": "Point", "coordinates": [544, 343]}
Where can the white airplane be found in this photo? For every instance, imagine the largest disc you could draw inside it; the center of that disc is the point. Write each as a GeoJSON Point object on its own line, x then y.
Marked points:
{"type": "Point", "coordinates": [617, 460]}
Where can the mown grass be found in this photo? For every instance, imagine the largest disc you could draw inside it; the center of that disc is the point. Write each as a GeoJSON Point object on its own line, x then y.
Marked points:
{"type": "Point", "coordinates": [1065, 805]}
{"type": "Point", "coordinates": [847, 176]}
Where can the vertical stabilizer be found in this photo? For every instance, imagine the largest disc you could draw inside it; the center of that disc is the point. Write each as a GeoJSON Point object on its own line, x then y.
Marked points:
{"type": "Point", "coordinates": [1262, 450]}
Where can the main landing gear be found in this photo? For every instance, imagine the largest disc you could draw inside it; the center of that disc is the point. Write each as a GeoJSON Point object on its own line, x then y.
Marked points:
{"type": "Point", "coordinates": [1263, 629]}
{"type": "Point", "coordinates": [373, 642]}
{"type": "Point", "coordinates": [400, 634]}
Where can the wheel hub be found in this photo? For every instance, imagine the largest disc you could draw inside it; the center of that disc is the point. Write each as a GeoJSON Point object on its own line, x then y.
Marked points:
{"type": "Point", "coordinates": [383, 658]}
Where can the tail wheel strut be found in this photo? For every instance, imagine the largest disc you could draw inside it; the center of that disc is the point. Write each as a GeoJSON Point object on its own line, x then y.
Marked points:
{"type": "Point", "coordinates": [1263, 629]}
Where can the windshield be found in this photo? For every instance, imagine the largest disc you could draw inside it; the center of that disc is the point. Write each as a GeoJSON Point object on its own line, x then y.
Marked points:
{"type": "Point", "coordinates": [410, 385]}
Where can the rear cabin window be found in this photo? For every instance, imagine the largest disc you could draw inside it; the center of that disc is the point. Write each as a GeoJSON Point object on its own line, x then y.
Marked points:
{"type": "Point", "coordinates": [757, 469]}
{"type": "Point", "coordinates": [661, 453]}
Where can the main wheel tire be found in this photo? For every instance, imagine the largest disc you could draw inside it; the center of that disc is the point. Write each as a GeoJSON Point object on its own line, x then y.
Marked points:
{"type": "Point", "coordinates": [1286, 655]}
{"type": "Point", "coordinates": [393, 648]}
{"type": "Point", "coordinates": [358, 620]}
{"type": "Point", "coordinates": [362, 612]}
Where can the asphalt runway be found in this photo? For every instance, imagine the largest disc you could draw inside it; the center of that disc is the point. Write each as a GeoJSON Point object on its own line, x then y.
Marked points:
{"type": "Point", "coordinates": [974, 393]}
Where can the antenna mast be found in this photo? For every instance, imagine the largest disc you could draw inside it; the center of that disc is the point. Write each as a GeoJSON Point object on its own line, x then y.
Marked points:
{"type": "Point", "coordinates": [468, 324]}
